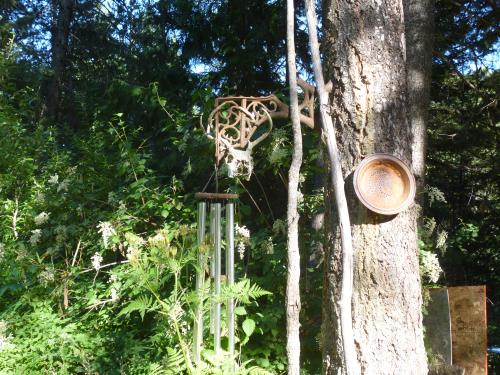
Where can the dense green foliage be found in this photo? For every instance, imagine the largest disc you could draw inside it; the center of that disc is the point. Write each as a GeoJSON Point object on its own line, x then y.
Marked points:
{"type": "Point", "coordinates": [462, 159]}
{"type": "Point", "coordinates": [96, 200]}
{"type": "Point", "coordinates": [96, 270]}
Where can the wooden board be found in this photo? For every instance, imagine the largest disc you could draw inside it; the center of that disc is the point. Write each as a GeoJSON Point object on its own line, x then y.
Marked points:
{"type": "Point", "coordinates": [437, 324]}
{"type": "Point", "coordinates": [468, 328]}
{"type": "Point", "coordinates": [215, 196]}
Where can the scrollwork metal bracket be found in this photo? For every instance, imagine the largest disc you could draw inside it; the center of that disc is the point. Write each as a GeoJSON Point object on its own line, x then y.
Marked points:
{"type": "Point", "coordinates": [235, 123]}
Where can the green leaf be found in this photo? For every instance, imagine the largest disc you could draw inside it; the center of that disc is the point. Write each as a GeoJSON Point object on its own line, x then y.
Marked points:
{"type": "Point", "coordinates": [248, 326]}
{"type": "Point", "coordinates": [240, 310]}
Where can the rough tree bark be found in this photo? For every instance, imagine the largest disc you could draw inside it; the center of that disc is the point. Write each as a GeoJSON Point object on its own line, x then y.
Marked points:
{"type": "Point", "coordinates": [419, 26]}
{"type": "Point", "coordinates": [365, 57]}
{"type": "Point", "coordinates": [293, 275]}
{"type": "Point", "coordinates": [62, 14]}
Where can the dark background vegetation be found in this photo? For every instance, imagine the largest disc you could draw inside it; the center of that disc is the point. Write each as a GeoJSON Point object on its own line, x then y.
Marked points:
{"type": "Point", "coordinates": [108, 95]}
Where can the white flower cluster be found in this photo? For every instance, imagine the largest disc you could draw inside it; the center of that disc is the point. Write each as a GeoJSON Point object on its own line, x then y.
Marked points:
{"type": "Point", "coordinates": [268, 246]}
{"type": "Point", "coordinates": [115, 288]}
{"type": "Point", "coordinates": [434, 195]}
{"type": "Point", "coordinates": [115, 297]}
{"type": "Point", "coordinates": [300, 197]}
{"type": "Point", "coordinates": [41, 218]}
{"type": "Point", "coordinates": [176, 312]}
{"type": "Point", "coordinates": [54, 179]}
{"type": "Point", "coordinates": [46, 276]}
{"type": "Point", "coordinates": [133, 254]}
{"type": "Point", "coordinates": [96, 261]}
{"type": "Point", "coordinates": [40, 197]}
{"type": "Point", "coordinates": [241, 249]}
{"type": "Point", "coordinates": [134, 244]}
{"type": "Point", "coordinates": [243, 239]}
{"type": "Point", "coordinates": [113, 279]}
{"type": "Point", "coordinates": [158, 240]}
{"type": "Point", "coordinates": [161, 240]}
{"type": "Point", "coordinates": [183, 327]}
{"type": "Point", "coordinates": [63, 186]}
{"type": "Point", "coordinates": [111, 197]}
{"type": "Point", "coordinates": [2, 251]}
{"type": "Point", "coordinates": [279, 226]}
{"type": "Point", "coordinates": [36, 235]}
{"type": "Point", "coordinates": [242, 231]}
{"type": "Point", "coordinates": [429, 266]}
{"type": "Point", "coordinates": [442, 237]}
{"type": "Point", "coordinates": [105, 228]}
{"type": "Point", "coordinates": [176, 316]}
{"type": "Point", "coordinates": [429, 225]}
{"type": "Point", "coordinates": [5, 340]}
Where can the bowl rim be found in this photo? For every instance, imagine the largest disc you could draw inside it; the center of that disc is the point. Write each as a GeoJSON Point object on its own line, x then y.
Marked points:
{"type": "Point", "coordinates": [385, 157]}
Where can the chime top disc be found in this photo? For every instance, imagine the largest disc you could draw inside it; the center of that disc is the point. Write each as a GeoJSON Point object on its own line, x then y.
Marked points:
{"type": "Point", "coordinates": [384, 184]}
{"type": "Point", "coordinates": [215, 196]}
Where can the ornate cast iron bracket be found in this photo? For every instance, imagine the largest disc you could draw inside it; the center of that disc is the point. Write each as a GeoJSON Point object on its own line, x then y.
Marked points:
{"type": "Point", "coordinates": [235, 123]}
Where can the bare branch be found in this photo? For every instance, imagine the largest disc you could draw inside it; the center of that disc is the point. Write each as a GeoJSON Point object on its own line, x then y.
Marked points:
{"type": "Point", "coordinates": [293, 274]}
{"type": "Point", "coordinates": [76, 252]}
{"type": "Point", "coordinates": [105, 266]}
{"type": "Point", "coordinates": [14, 219]}
{"type": "Point", "coordinates": [351, 366]}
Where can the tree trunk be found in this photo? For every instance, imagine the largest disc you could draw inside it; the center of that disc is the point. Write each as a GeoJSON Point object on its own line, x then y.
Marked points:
{"type": "Point", "coordinates": [293, 267]}
{"type": "Point", "coordinates": [365, 57]}
{"type": "Point", "coordinates": [419, 26]}
{"type": "Point", "coordinates": [62, 14]}
{"type": "Point", "coordinates": [350, 365]}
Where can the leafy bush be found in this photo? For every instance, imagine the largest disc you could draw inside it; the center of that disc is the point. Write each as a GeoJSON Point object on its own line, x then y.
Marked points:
{"type": "Point", "coordinates": [97, 254]}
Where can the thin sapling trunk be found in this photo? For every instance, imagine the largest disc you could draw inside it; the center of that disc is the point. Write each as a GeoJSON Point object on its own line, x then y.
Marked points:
{"type": "Point", "coordinates": [293, 275]}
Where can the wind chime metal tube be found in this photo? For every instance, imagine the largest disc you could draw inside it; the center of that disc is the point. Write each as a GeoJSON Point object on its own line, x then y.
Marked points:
{"type": "Point", "coordinates": [217, 278]}
{"type": "Point", "coordinates": [230, 275]}
{"type": "Point", "coordinates": [212, 262]}
{"type": "Point", "coordinates": [200, 283]}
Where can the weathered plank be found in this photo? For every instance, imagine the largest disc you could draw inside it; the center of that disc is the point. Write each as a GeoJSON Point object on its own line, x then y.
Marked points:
{"type": "Point", "coordinates": [468, 328]}
{"type": "Point", "coordinates": [437, 324]}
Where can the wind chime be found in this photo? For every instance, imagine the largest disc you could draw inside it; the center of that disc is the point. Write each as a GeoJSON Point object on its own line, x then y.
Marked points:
{"type": "Point", "coordinates": [214, 204]}
{"type": "Point", "coordinates": [236, 125]}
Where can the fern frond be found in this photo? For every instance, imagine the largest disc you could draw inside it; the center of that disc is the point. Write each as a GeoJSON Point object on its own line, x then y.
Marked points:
{"type": "Point", "coordinates": [255, 370]}
{"type": "Point", "coordinates": [173, 362]}
{"type": "Point", "coordinates": [252, 370]}
{"type": "Point", "coordinates": [142, 304]}
{"type": "Point", "coordinates": [243, 291]}
{"type": "Point", "coordinates": [156, 369]}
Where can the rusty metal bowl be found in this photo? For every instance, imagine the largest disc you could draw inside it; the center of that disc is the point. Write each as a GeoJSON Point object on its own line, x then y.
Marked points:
{"type": "Point", "coordinates": [384, 184]}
